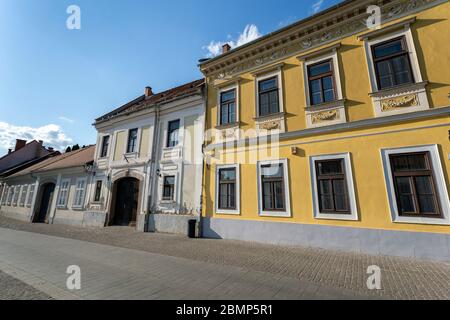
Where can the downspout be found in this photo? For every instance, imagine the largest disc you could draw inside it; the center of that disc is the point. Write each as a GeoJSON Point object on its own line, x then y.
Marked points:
{"type": "Point", "coordinates": [153, 166]}
{"type": "Point", "coordinates": [205, 104]}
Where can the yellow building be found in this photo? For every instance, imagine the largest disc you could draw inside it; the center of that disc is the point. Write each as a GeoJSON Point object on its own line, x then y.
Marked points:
{"type": "Point", "coordinates": [358, 120]}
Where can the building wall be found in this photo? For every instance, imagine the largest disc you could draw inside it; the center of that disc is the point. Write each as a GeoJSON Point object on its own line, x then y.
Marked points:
{"type": "Point", "coordinates": [359, 133]}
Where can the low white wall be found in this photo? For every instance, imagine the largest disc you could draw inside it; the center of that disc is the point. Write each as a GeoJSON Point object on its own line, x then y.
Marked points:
{"type": "Point", "coordinates": [169, 223]}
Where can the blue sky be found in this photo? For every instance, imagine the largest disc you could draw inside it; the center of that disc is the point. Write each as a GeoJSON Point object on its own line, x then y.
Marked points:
{"type": "Point", "coordinates": [54, 82]}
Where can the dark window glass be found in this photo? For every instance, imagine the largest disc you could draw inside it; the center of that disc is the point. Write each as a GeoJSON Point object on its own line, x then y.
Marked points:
{"type": "Point", "coordinates": [173, 132]}
{"type": "Point", "coordinates": [268, 96]}
{"type": "Point", "coordinates": [332, 186]}
{"type": "Point", "coordinates": [98, 191]}
{"type": "Point", "coordinates": [272, 182]}
{"type": "Point", "coordinates": [132, 141]}
{"type": "Point", "coordinates": [392, 64]}
{"type": "Point", "coordinates": [168, 187]}
{"type": "Point", "coordinates": [321, 83]}
{"type": "Point", "coordinates": [228, 107]}
{"type": "Point", "coordinates": [105, 146]}
{"type": "Point", "coordinates": [414, 185]}
{"type": "Point", "coordinates": [227, 189]}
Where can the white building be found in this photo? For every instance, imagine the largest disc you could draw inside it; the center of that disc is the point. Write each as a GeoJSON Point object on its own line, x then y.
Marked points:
{"type": "Point", "coordinates": [52, 191]}
{"type": "Point", "coordinates": [148, 161]}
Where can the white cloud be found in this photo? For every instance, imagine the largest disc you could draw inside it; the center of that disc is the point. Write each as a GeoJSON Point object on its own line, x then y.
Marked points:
{"type": "Point", "coordinates": [62, 118]}
{"type": "Point", "coordinates": [250, 33]}
{"type": "Point", "coordinates": [51, 134]}
{"type": "Point", "coordinates": [317, 6]}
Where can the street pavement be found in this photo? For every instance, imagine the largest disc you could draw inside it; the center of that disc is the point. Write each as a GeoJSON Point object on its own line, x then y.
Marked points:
{"type": "Point", "coordinates": [111, 273]}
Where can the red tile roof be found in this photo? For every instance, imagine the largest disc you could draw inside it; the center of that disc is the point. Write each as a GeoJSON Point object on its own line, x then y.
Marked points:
{"type": "Point", "coordinates": [157, 98]}
{"type": "Point", "coordinates": [76, 158]}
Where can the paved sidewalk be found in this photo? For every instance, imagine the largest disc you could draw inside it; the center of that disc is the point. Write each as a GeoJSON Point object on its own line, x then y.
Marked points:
{"type": "Point", "coordinates": [401, 278]}
{"type": "Point", "coordinates": [116, 273]}
{"type": "Point", "coordinates": [14, 289]}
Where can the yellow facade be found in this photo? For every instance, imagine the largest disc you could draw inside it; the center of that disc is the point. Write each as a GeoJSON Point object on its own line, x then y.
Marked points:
{"type": "Point", "coordinates": [429, 25]}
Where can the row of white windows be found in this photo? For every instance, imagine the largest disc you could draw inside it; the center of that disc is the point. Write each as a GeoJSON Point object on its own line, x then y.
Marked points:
{"type": "Point", "coordinates": [392, 61]}
{"type": "Point", "coordinates": [414, 179]}
{"type": "Point", "coordinates": [21, 195]}
{"type": "Point", "coordinates": [64, 193]}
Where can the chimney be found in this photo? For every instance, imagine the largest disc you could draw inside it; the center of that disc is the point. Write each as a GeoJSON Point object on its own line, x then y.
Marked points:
{"type": "Point", "coordinates": [20, 144]}
{"type": "Point", "coordinates": [148, 92]}
{"type": "Point", "coordinates": [9, 151]}
{"type": "Point", "coordinates": [41, 142]}
{"type": "Point", "coordinates": [225, 48]}
{"type": "Point", "coordinates": [50, 149]}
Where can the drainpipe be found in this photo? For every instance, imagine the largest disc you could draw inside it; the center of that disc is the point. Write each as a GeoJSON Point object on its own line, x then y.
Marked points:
{"type": "Point", "coordinates": [205, 106]}
{"type": "Point", "coordinates": [153, 165]}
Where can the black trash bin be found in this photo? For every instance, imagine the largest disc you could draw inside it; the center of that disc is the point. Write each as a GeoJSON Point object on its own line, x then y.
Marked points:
{"type": "Point", "coordinates": [191, 228]}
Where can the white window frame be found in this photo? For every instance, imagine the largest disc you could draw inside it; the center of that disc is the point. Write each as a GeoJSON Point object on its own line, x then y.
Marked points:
{"type": "Point", "coordinates": [23, 195]}
{"type": "Point", "coordinates": [173, 173]}
{"type": "Point", "coordinates": [287, 212]}
{"type": "Point", "coordinates": [236, 211]}
{"type": "Point", "coordinates": [10, 196]}
{"type": "Point", "coordinates": [63, 192]}
{"type": "Point", "coordinates": [332, 55]}
{"type": "Point", "coordinates": [221, 90]}
{"type": "Point", "coordinates": [138, 141]}
{"type": "Point", "coordinates": [260, 77]}
{"type": "Point", "coordinates": [77, 190]}
{"type": "Point", "coordinates": [16, 196]}
{"type": "Point", "coordinates": [166, 132]}
{"type": "Point", "coordinates": [439, 177]}
{"type": "Point", "coordinates": [5, 195]}
{"type": "Point", "coordinates": [353, 216]}
{"type": "Point", "coordinates": [108, 152]}
{"type": "Point", "coordinates": [30, 194]}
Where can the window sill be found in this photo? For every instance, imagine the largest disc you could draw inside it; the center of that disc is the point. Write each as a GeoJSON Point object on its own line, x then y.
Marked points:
{"type": "Point", "coordinates": [275, 214]}
{"type": "Point", "coordinates": [422, 220]}
{"type": "Point", "coordinates": [399, 89]}
{"type": "Point", "coordinates": [336, 216]}
{"type": "Point", "coordinates": [228, 126]}
{"type": "Point", "coordinates": [326, 105]}
{"type": "Point", "coordinates": [270, 116]}
{"type": "Point", "coordinates": [228, 212]}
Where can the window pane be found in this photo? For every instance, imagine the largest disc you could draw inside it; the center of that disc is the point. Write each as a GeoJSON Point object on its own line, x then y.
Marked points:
{"type": "Point", "coordinates": [427, 204]}
{"type": "Point", "coordinates": [407, 204]}
{"type": "Point", "coordinates": [328, 95]}
{"type": "Point", "coordinates": [326, 202]}
{"type": "Point", "coordinates": [388, 49]}
{"type": "Point", "coordinates": [267, 196]}
{"type": "Point", "coordinates": [227, 96]}
{"type": "Point", "coordinates": [231, 195]}
{"type": "Point", "coordinates": [330, 167]}
{"type": "Point", "coordinates": [319, 69]}
{"type": "Point", "coordinates": [404, 185]}
{"type": "Point", "coordinates": [227, 174]}
{"type": "Point", "coordinates": [317, 98]}
{"type": "Point", "coordinates": [402, 70]}
{"type": "Point", "coordinates": [224, 116]}
{"type": "Point", "coordinates": [273, 102]}
{"type": "Point", "coordinates": [315, 86]}
{"type": "Point", "coordinates": [339, 186]}
{"type": "Point", "coordinates": [264, 104]}
{"type": "Point", "coordinates": [423, 185]}
{"type": "Point", "coordinates": [325, 187]}
{"type": "Point", "coordinates": [232, 113]}
{"type": "Point", "coordinates": [340, 202]}
{"type": "Point", "coordinates": [272, 171]}
{"type": "Point", "coordinates": [279, 201]}
{"type": "Point", "coordinates": [268, 84]}
{"type": "Point", "coordinates": [327, 83]}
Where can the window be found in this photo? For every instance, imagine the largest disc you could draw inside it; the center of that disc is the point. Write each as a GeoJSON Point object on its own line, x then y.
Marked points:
{"type": "Point", "coordinates": [227, 189]}
{"type": "Point", "coordinates": [5, 195]}
{"type": "Point", "coordinates": [30, 194]}
{"type": "Point", "coordinates": [321, 82]}
{"type": "Point", "coordinates": [228, 107]}
{"type": "Point", "coordinates": [23, 195]}
{"type": "Point", "coordinates": [414, 184]}
{"type": "Point", "coordinates": [168, 188]}
{"type": "Point", "coordinates": [63, 193]}
{"type": "Point", "coordinates": [98, 191]}
{"type": "Point", "coordinates": [273, 188]}
{"type": "Point", "coordinates": [392, 63]}
{"type": "Point", "coordinates": [16, 195]}
{"type": "Point", "coordinates": [132, 141]}
{"type": "Point", "coordinates": [332, 189]}
{"type": "Point", "coordinates": [80, 191]}
{"type": "Point", "coordinates": [105, 146]}
{"type": "Point", "coordinates": [172, 133]}
{"type": "Point", "coordinates": [332, 185]}
{"type": "Point", "coordinates": [268, 96]}
{"type": "Point", "coordinates": [10, 195]}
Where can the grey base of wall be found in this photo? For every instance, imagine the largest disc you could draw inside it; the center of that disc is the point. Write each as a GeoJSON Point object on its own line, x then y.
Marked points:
{"type": "Point", "coordinates": [90, 220]}
{"type": "Point", "coordinates": [429, 246]}
{"type": "Point", "coordinates": [15, 215]}
{"type": "Point", "coordinates": [169, 223]}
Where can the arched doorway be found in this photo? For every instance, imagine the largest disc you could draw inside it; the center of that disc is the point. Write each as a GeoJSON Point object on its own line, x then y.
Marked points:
{"type": "Point", "coordinates": [126, 191]}
{"type": "Point", "coordinates": [46, 197]}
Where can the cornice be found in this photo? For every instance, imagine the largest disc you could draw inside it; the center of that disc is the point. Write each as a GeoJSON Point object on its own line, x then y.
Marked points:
{"type": "Point", "coordinates": [304, 37]}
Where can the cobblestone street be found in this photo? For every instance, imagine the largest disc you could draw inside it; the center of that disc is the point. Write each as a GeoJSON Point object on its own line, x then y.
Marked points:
{"type": "Point", "coordinates": [13, 289]}
{"type": "Point", "coordinates": [337, 274]}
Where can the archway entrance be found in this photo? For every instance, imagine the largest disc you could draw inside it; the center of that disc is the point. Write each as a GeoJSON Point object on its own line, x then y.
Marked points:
{"type": "Point", "coordinates": [46, 198]}
{"type": "Point", "coordinates": [126, 202]}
